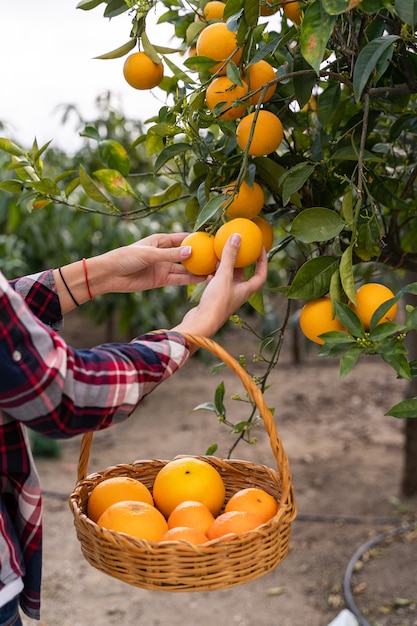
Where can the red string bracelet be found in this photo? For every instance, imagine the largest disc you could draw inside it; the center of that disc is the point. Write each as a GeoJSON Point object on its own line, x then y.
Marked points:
{"type": "Point", "coordinates": [86, 280]}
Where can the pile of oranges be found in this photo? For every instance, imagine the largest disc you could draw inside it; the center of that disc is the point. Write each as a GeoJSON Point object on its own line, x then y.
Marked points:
{"type": "Point", "coordinates": [187, 502]}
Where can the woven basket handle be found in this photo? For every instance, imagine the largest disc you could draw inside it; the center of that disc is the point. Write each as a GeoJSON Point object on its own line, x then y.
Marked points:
{"type": "Point", "coordinates": [253, 391]}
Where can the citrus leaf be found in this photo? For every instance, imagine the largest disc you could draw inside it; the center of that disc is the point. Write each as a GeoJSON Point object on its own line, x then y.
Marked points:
{"type": "Point", "coordinates": [204, 406]}
{"type": "Point", "coordinates": [45, 186]}
{"type": "Point", "coordinates": [316, 224]}
{"type": "Point", "coordinates": [349, 153]}
{"type": "Point", "coordinates": [349, 320]}
{"type": "Point", "coordinates": [381, 311]}
{"type": "Point", "coordinates": [90, 187]}
{"type": "Point", "coordinates": [387, 329]}
{"type": "Point", "coordinates": [313, 278]}
{"type": "Point", "coordinates": [179, 73]}
{"type": "Point", "coordinates": [394, 353]}
{"type": "Point", "coordinates": [86, 5]}
{"type": "Point", "coordinates": [328, 103]}
{"type": "Point", "coordinates": [407, 11]}
{"type": "Point", "coordinates": [404, 409]}
{"type": "Point", "coordinates": [114, 155]}
{"type": "Point", "coordinates": [168, 196]}
{"type": "Point", "coordinates": [368, 59]}
{"type": "Point", "coordinates": [349, 360]}
{"type": "Point", "coordinates": [169, 153]}
{"type": "Point", "coordinates": [10, 147]}
{"type": "Point", "coordinates": [294, 179]}
{"type": "Point", "coordinates": [335, 7]}
{"type": "Point", "coordinates": [346, 274]}
{"type": "Point", "coordinates": [114, 183]}
{"type": "Point", "coordinates": [219, 398]}
{"type": "Point", "coordinates": [316, 29]}
{"type": "Point", "coordinates": [209, 211]}
{"type": "Point", "coordinates": [12, 186]}
{"type": "Point", "coordinates": [149, 49]}
{"type": "Point", "coordinates": [121, 51]}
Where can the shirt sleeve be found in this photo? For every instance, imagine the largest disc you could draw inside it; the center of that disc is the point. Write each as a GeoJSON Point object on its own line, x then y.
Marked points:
{"type": "Point", "coordinates": [41, 296]}
{"type": "Point", "coordinates": [62, 392]}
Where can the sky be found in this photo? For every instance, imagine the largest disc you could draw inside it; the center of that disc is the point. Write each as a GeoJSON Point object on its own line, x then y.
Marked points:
{"type": "Point", "coordinates": [47, 50]}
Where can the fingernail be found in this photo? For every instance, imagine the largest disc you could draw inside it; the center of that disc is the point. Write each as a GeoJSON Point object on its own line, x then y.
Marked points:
{"type": "Point", "coordinates": [236, 239]}
{"type": "Point", "coordinates": [186, 251]}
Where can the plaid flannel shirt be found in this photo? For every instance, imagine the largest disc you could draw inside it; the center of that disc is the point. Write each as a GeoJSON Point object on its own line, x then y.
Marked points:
{"type": "Point", "coordinates": [59, 392]}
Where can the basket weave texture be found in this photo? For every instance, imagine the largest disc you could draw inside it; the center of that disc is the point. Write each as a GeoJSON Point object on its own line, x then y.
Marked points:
{"type": "Point", "coordinates": [178, 565]}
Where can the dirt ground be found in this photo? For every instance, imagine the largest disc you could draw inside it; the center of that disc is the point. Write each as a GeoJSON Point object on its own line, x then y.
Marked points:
{"type": "Point", "coordinates": [346, 461]}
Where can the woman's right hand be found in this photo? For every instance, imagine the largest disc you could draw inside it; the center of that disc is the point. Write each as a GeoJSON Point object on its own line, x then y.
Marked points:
{"type": "Point", "coordinates": [225, 292]}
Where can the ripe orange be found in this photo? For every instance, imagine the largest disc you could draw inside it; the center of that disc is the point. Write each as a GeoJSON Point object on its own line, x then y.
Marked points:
{"type": "Point", "coordinates": [213, 10]}
{"type": "Point", "coordinates": [234, 522]}
{"type": "Point", "coordinates": [192, 514]}
{"type": "Point", "coordinates": [141, 72]}
{"type": "Point", "coordinates": [316, 319]}
{"type": "Point", "coordinates": [221, 89]}
{"type": "Point", "coordinates": [138, 519]}
{"type": "Point", "coordinates": [253, 500]}
{"type": "Point", "coordinates": [251, 243]}
{"type": "Point", "coordinates": [267, 134]}
{"type": "Point", "coordinates": [268, 7]}
{"type": "Point", "coordinates": [247, 202]}
{"type": "Point", "coordinates": [203, 260]}
{"type": "Point", "coordinates": [368, 298]}
{"type": "Point", "coordinates": [266, 230]}
{"type": "Point", "coordinates": [219, 43]}
{"type": "Point", "coordinates": [188, 478]}
{"type": "Point", "coordinates": [257, 76]}
{"type": "Point", "coordinates": [293, 12]}
{"type": "Point", "coordinates": [116, 489]}
{"type": "Point", "coordinates": [185, 533]}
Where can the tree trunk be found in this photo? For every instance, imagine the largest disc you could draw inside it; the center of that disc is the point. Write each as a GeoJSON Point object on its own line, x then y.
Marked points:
{"type": "Point", "coordinates": [409, 478]}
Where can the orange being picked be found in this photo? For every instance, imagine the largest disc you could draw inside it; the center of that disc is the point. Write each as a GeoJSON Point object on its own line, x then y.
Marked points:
{"type": "Point", "coordinates": [219, 43]}
{"type": "Point", "coordinates": [292, 11]}
{"type": "Point", "coordinates": [257, 75]}
{"type": "Point", "coordinates": [253, 500]}
{"type": "Point", "coordinates": [138, 519]}
{"type": "Point", "coordinates": [247, 202]}
{"type": "Point", "coordinates": [233, 523]}
{"type": "Point", "coordinates": [115, 489]}
{"type": "Point", "coordinates": [368, 298]}
{"type": "Point", "coordinates": [266, 230]}
{"type": "Point", "coordinates": [185, 533]}
{"type": "Point", "coordinates": [222, 89]}
{"type": "Point", "coordinates": [192, 514]}
{"type": "Point", "coordinates": [203, 260]}
{"type": "Point", "coordinates": [188, 478]}
{"type": "Point", "coordinates": [267, 133]}
{"type": "Point", "coordinates": [316, 318]}
{"type": "Point", "coordinates": [251, 240]}
{"type": "Point", "coordinates": [141, 72]}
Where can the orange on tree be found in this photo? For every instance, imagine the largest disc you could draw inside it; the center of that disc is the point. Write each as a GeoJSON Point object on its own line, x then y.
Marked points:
{"type": "Point", "coordinates": [116, 489]}
{"type": "Point", "coordinates": [138, 519]}
{"type": "Point", "coordinates": [263, 135]}
{"type": "Point", "coordinates": [233, 523]}
{"type": "Point", "coordinates": [257, 75]}
{"type": "Point", "coordinates": [192, 514]}
{"type": "Point", "coordinates": [222, 89]}
{"type": "Point", "coordinates": [253, 500]}
{"type": "Point", "coordinates": [247, 202]}
{"type": "Point", "coordinates": [266, 230]}
{"type": "Point", "coordinates": [316, 318]}
{"type": "Point", "coordinates": [219, 43]}
{"type": "Point", "coordinates": [213, 10]}
{"type": "Point", "coordinates": [203, 259]}
{"type": "Point", "coordinates": [368, 298]}
{"type": "Point", "coordinates": [188, 478]}
{"type": "Point", "coordinates": [251, 240]}
{"type": "Point", "coordinates": [185, 533]}
{"type": "Point", "coordinates": [269, 7]}
{"type": "Point", "coordinates": [141, 72]}
{"type": "Point", "coordinates": [292, 11]}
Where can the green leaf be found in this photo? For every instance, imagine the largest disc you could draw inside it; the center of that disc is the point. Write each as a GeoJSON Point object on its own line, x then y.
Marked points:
{"type": "Point", "coordinates": [12, 186]}
{"type": "Point", "coordinates": [348, 361]}
{"type": "Point", "coordinates": [404, 409]}
{"type": "Point", "coordinates": [169, 153]}
{"type": "Point", "coordinates": [114, 155]}
{"type": "Point", "coordinates": [251, 13]}
{"type": "Point", "coordinates": [10, 147]}
{"type": "Point", "coordinates": [407, 11]}
{"type": "Point", "coordinates": [149, 49]}
{"type": "Point", "coordinates": [86, 5]}
{"type": "Point", "coordinates": [316, 29]}
{"type": "Point", "coordinates": [294, 179]}
{"type": "Point", "coordinates": [394, 353]}
{"type": "Point", "coordinates": [313, 278]}
{"type": "Point", "coordinates": [219, 398]}
{"type": "Point", "coordinates": [121, 51]}
{"type": "Point", "coordinates": [368, 60]}
{"type": "Point", "coordinates": [269, 171]}
{"type": "Point", "coordinates": [303, 83]}
{"type": "Point", "coordinates": [257, 302]}
{"type": "Point", "coordinates": [346, 274]}
{"type": "Point", "coordinates": [178, 72]}
{"type": "Point", "coordinates": [209, 211]}
{"type": "Point", "coordinates": [316, 224]}
{"type": "Point", "coordinates": [335, 7]}
{"type": "Point", "coordinates": [350, 153]}
{"type": "Point", "coordinates": [385, 330]}
{"type": "Point", "coordinates": [114, 183]}
{"type": "Point", "coordinates": [347, 206]}
{"type": "Point", "coordinates": [205, 406]}
{"type": "Point", "coordinates": [115, 7]}
{"type": "Point", "coordinates": [381, 311]}
{"type": "Point", "coordinates": [90, 187]}
{"type": "Point", "coordinates": [168, 196]}
{"type": "Point", "coordinates": [45, 186]}
{"type": "Point", "coordinates": [327, 103]}
{"type": "Point", "coordinates": [349, 320]}
{"type": "Point", "coordinates": [411, 288]}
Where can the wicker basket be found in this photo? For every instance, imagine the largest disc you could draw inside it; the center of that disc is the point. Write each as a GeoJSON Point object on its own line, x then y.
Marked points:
{"type": "Point", "coordinates": [177, 565]}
